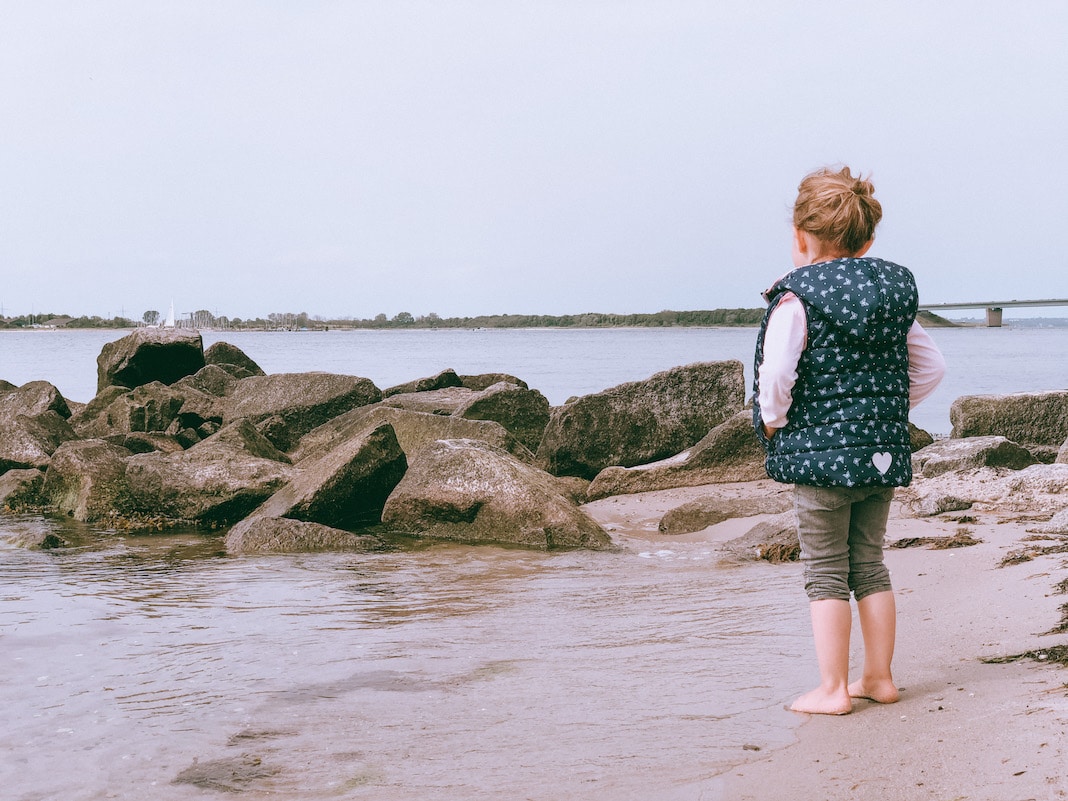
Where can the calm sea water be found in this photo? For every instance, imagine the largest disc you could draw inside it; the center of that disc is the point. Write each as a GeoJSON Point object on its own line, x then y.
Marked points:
{"type": "Point", "coordinates": [156, 666]}
{"type": "Point", "coordinates": [559, 363]}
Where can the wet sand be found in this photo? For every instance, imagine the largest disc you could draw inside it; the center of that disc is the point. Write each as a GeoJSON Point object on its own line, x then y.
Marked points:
{"type": "Point", "coordinates": [963, 729]}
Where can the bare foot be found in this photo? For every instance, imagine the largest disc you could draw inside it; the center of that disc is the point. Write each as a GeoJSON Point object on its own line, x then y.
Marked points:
{"type": "Point", "coordinates": [821, 702]}
{"type": "Point", "coordinates": [882, 691]}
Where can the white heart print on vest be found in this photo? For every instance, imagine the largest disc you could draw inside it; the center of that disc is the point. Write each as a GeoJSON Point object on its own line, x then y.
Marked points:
{"type": "Point", "coordinates": [882, 462]}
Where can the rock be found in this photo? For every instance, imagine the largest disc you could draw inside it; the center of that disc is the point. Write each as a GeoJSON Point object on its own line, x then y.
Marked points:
{"type": "Point", "coordinates": [87, 423]}
{"type": "Point", "coordinates": [1036, 420]}
{"type": "Point", "coordinates": [20, 488]}
{"type": "Point", "coordinates": [469, 491]}
{"type": "Point", "coordinates": [153, 407]}
{"type": "Point", "coordinates": [31, 441]}
{"type": "Point", "coordinates": [210, 380]}
{"type": "Point", "coordinates": [642, 421]}
{"type": "Point", "coordinates": [729, 452]}
{"type": "Point", "coordinates": [35, 533]}
{"type": "Point", "coordinates": [934, 503]}
{"type": "Point", "coordinates": [150, 354]}
{"type": "Point", "coordinates": [443, 401]}
{"type": "Point", "coordinates": [1058, 524]}
{"type": "Point", "coordinates": [964, 454]}
{"type": "Point", "coordinates": [443, 380]}
{"type": "Point", "coordinates": [1041, 489]}
{"type": "Point", "coordinates": [705, 512]}
{"type": "Point", "coordinates": [918, 438]}
{"type": "Point", "coordinates": [1062, 454]}
{"type": "Point", "coordinates": [778, 534]}
{"type": "Point", "coordinates": [225, 355]}
{"type": "Point", "coordinates": [33, 423]}
{"type": "Point", "coordinates": [147, 442]}
{"type": "Point", "coordinates": [217, 481]}
{"type": "Point", "coordinates": [523, 412]}
{"type": "Point", "coordinates": [86, 480]}
{"type": "Point", "coordinates": [487, 380]}
{"type": "Point", "coordinates": [298, 401]}
{"type": "Point", "coordinates": [1046, 479]}
{"type": "Point", "coordinates": [347, 486]}
{"type": "Point", "coordinates": [33, 399]}
{"type": "Point", "coordinates": [282, 535]}
{"type": "Point", "coordinates": [414, 430]}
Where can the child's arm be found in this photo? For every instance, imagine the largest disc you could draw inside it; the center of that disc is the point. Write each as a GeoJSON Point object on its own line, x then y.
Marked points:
{"type": "Point", "coordinates": [784, 340]}
{"type": "Point", "coordinates": [926, 365]}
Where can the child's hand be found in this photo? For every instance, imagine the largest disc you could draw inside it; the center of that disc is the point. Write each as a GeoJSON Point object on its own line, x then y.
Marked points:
{"type": "Point", "coordinates": [769, 432]}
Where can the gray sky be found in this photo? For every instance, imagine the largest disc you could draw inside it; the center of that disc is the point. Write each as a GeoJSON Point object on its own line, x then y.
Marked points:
{"type": "Point", "coordinates": [463, 157]}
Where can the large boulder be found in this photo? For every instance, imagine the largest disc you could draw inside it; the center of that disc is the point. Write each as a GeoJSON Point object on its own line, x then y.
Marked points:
{"type": "Point", "coordinates": [33, 423]}
{"type": "Point", "coordinates": [523, 412]}
{"type": "Point", "coordinates": [443, 380]}
{"type": "Point", "coordinates": [286, 406]}
{"type": "Point", "coordinates": [729, 452]}
{"type": "Point", "coordinates": [20, 488]}
{"type": "Point", "coordinates": [282, 535]}
{"type": "Point", "coordinates": [443, 401]}
{"type": "Point", "coordinates": [469, 491]}
{"type": "Point", "coordinates": [86, 480]}
{"type": "Point", "coordinates": [232, 359]}
{"type": "Point", "coordinates": [211, 380]}
{"type": "Point", "coordinates": [486, 380]}
{"type": "Point", "coordinates": [87, 422]}
{"type": "Point", "coordinates": [149, 354]}
{"type": "Point", "coordinates": [413, 429]}
{"type": "Point", "coordinates": [1036, 420]}
{"type": "Point", "coordinates": [153, 407]}
{"type": "Point", "coordinates": [704, 512]}
{"type": "Point", "coordinates": [1025, 495]}
{"type": "Point", "coordinates": [347, 486]}
{"type": "Point", "coordinates": [966, 454]}
{"type": "Point", "coordinates": [642, 421]}
{"type": "Point", "coordinates": [217, 481]}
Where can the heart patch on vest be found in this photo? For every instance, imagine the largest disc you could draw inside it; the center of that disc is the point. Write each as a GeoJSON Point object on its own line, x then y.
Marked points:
{"type": "Point", "coordinates": [882, 462]}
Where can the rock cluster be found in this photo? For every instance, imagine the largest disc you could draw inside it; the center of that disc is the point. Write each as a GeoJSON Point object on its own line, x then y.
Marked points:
{"type": "Point", "coordinates": [307, 461]}
{"type": "Point", "coordinates": [289, 462]}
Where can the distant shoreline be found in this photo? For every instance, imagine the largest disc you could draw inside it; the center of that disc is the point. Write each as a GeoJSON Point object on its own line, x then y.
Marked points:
{"type": "Point", "coordinates": [715, 318]}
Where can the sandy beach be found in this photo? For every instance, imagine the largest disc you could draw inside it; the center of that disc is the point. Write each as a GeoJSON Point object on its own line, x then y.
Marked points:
{"type": "Point", "coordinates": [964, 728]}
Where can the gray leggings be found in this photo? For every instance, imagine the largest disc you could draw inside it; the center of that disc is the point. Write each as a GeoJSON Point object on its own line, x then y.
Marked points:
{"type": "Point", "coordinates": [841, 531]}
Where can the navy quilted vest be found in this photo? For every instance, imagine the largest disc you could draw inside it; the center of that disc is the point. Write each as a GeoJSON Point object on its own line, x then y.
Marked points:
{"type": "Point", "coordinates": [848, 423]}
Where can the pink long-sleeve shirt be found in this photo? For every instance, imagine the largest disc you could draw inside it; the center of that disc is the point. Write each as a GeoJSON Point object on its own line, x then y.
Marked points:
{"type": "Point", "coordinates": [786, 337]}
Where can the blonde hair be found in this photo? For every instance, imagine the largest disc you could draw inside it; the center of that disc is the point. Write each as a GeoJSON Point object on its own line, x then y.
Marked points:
{"type": "Point", "coordinates": [838, 209]}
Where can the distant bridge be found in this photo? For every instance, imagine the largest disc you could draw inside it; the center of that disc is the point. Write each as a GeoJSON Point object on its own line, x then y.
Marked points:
{"type": "Point", "coordinates": [993, 308]}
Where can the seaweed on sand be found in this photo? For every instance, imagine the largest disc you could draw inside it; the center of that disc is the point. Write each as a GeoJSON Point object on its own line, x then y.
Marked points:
{"type": "Point", "coordinates": [962, 539]}
{"type": "Point", "coordinates": [1056, 654]}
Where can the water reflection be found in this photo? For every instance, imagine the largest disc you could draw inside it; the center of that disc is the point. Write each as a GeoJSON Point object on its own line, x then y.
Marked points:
{"type": "Point", "coordinates": [157, 664]}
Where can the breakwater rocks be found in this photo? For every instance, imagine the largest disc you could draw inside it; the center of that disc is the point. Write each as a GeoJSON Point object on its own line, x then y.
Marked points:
{"type": "Point", "coordinates": [177, 435]}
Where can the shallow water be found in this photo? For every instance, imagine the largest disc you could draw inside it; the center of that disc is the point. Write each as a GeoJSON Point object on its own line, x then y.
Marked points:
{"type": "Point", "coordinates": [438, 671]}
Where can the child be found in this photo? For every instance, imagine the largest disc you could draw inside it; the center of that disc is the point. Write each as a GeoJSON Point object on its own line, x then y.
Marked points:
{"type": "Point", "coordinates": [839, 362]}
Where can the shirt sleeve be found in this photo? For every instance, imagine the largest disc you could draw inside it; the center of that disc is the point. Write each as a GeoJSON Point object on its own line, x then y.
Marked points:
{"type": "Point", "coordinates": [784, 341]}
{"type": "Point", "coordinates": [926, 365]}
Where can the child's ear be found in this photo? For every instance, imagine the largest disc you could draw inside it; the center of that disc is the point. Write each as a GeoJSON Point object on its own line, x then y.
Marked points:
{"type": "Point", "coordinates": [866, 247]}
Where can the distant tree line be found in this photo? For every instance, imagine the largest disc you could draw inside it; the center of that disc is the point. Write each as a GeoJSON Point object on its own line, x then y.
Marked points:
{"type": "Point", "coordinates": [65, 321]}
{"type": "Point", "coordinates": [662, 319]}
{"type": "Point", "coordinates": [290, 321]}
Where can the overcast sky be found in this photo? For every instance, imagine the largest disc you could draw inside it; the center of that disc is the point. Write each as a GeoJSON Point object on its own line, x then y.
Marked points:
{"type": "Point", "coordinates": [463, 157]}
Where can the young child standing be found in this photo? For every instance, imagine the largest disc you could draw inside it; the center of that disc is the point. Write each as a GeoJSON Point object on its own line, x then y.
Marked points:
{"type": "Point", "coordinates": [840, 360]}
